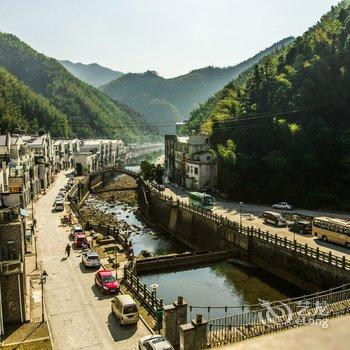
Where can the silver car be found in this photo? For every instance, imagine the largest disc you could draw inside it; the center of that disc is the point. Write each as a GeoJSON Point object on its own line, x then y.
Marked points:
{"type": "Point", "coordinates": [154, 342]}
{"type": "Point", "coordinates": [91, 259]}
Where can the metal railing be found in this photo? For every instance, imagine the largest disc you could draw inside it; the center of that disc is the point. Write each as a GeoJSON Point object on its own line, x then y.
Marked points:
{"type": "Point", "coordinates": [257, 234]}
{"type": "Point", "coordinates": [278, 315]}
{"type": "Point", "coordinates": [146, 297]}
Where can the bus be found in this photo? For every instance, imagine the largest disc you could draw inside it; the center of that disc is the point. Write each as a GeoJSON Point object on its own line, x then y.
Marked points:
{"type": "Point", "coordinates": [201, 200]}
{"type": "Point", "coordinates": [332, 230]}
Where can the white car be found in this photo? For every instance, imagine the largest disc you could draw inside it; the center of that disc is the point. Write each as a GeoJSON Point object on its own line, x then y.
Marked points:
{"type": "Point", "coordinates": [154, 342]}
{"type": "Point", "coordinates": [282, 206]}
{"type": "Point", "coordinates": [91, 259]}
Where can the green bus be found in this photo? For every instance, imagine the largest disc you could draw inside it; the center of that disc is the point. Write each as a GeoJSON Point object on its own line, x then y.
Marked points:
{"type": "Point", "coordinates": [201, 200]}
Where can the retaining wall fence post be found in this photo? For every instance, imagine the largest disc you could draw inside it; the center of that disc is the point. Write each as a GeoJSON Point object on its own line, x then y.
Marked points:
{"type": "Point", "coordinates": [174, 315]}
{"type": "Point", "coordinates": [193, 336]}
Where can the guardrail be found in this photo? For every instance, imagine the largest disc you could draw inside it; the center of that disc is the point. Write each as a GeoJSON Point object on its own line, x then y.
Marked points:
{"type": "Point", "coordinates": [279, 315]}
{"type": "Point", "coordinates": [146, 297]}
{"type": "Point", "coordinates": [282, 242]}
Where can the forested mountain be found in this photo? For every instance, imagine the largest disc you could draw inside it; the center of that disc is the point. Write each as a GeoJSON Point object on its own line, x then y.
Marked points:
{"type": "Point", "coordinates": [23, 110]}
{"type": "Point", "coordinates": [89, 112]}
{"type": "Point", "coordinates": [92, 74]}
{"type": "Point", "coordinates": [169, 99]}
{"type": "Point", "coordinates": [283, 132]}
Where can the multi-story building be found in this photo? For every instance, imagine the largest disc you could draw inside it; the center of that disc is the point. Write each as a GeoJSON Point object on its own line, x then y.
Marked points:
{"type": "Point", "coordinates": [13, 286]}
{"type": "Point", "coordinates": [189, 161]}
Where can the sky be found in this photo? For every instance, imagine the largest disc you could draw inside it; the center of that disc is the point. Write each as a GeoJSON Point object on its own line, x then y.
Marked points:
{"type": "Point", "coordinates": [171, 37]}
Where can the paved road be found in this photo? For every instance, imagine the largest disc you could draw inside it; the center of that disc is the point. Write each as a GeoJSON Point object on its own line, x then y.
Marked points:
{"type": "Point", "coordinates": [231, 210]}
{"type": "Point", "coordinates": [79, 317]}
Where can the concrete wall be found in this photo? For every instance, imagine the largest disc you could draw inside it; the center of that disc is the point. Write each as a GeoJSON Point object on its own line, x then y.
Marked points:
{"type": "Point", "coordinates": [215, 233]}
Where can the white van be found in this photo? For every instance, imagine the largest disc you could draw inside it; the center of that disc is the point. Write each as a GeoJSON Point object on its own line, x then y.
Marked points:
{"type": "Point", "coordinates": [125, 309]}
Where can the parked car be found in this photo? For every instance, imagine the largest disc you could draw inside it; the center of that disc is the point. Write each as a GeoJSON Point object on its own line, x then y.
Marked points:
{"type": "Point", "coordinates": [125, 309]}
{"type": "Point", "coordinates": [61, 194]}
{"type": "Point", "coordinates": [91, 259]}
{"type": "Point", "coordinates": [159, 187]}
{"type": "Point", "coordinates": [106, 281]}
{"type": "Point", "coordinates": [301, 226]}
{"type": "Point", "coordinates": [154, 342]}
{"type": "Point", "coordinates": [274, 218]}
{"type": "Point", "coordinates": [59, 204]}
{"type": "Point", "coordinates": [80, 240]}
{"type": "Point", "coordinates": [282, 206]}
{"type": "Point", "coordinates": [77, 230]}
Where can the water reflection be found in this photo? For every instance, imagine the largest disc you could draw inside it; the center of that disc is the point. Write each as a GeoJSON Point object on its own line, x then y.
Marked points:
{"type": "Point", "coordinates": [221, 284]}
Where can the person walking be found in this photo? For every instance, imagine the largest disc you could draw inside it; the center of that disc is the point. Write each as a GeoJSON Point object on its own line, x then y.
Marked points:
{"type": "Point", "coordinates": [68, 250]}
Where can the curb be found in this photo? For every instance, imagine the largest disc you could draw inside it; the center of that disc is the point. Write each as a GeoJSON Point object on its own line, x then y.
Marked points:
{"type": "Point", "coordinates": [141, 318]}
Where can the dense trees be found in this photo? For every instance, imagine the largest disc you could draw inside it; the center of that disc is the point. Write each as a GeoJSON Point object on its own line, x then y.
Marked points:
{"type": "Point", "coordinates": [174, 98]}
{"type": "Point", "coordinates": [90, 113]}
{"type": "Point", "coordinates": [151, 171]}
{"type": "Point", "coordinates": [282, 130]}
{"type": "Point", "coordinates": [23, 110]}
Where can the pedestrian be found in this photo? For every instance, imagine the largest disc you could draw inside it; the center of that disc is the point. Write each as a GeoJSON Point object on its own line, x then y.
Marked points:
{"type": "Point", "coordinates": [68, 250]}
{"type": "Point", "coordinates": [34, 222]}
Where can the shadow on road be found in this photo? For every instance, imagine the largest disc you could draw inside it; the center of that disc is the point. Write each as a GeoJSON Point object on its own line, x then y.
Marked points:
{"type": "Point", "coordinates": [99, 295]}
{"type": "Point", "coordinates": [64, 258]}
{"type": "Point", "coordinates": [332, 246]}
{"type": "Point", "coordinates": [119, 332]}
{"type": "Point", "coordinates": [84, 269]}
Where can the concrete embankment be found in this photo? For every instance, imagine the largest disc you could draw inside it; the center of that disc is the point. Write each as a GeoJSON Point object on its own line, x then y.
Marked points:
{"type": "Point", "coordinates": [310, 269]}
{"type": "Point", "coordinates": [175, 261]}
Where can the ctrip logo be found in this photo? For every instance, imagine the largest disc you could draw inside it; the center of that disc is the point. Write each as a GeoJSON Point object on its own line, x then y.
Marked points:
{"type": "Point", "coordinates": [283, 315]}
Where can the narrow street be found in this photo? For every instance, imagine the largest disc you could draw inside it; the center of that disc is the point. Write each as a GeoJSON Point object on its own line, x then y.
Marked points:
{"type": "Point", "coordinates": [79, 316]}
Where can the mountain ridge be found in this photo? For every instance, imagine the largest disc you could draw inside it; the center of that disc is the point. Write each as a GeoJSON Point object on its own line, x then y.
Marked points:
{"type": "Point", "coordinates": [91, 73]}
{"type": "Point", "coordinates": [282, 131]}
{"type": "Point", "coordinates": [180, 94]}
{"type": "Point", "coordinates": [90, 113]}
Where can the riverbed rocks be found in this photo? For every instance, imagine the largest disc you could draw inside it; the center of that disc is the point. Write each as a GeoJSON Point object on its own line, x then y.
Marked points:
{"type": "Point", "coordinates": [123, 196]}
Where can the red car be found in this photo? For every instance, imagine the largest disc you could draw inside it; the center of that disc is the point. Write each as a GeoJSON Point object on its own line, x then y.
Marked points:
{"type": "Point", "coordinates": [80, 240]}
{"type": "Point", "coordinates": [107, 282]}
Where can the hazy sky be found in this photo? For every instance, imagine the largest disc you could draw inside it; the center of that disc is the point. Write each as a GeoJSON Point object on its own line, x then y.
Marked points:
{"type": "Point", "coordinates": [169, 36]}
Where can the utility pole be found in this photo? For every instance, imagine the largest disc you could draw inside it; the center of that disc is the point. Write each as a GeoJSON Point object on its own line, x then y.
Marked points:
{"type": "Point", "coordinates": [42, 282]}
{"type": "Point", "coordinates": [240, 217]}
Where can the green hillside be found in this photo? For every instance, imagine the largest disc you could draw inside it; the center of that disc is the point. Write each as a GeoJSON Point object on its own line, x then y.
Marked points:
{"type": "Point", "coordinates": [92, 74]}
{"type": "Point", "coordinates": [90, 113]}
{"type": "Point", "coordinates": [175, 98]}
{"type": "Point", "coordinates": [23, 110]}
{"type": "Point", "coordinates": [283, 131]}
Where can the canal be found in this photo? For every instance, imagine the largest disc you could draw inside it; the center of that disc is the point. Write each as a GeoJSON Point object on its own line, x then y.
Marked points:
{"type": "Point", "coordinates": [221, 284]}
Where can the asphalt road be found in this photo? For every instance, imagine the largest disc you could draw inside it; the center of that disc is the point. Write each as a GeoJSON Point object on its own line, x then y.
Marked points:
{"type": "Point", "coordinates": [79, 316]}
{"type": "Point", "coordinates": [231, 210]}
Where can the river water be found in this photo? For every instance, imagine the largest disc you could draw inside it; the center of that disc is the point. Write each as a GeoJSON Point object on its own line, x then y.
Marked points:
{"type": "Point", "coordinates": [221, 284]}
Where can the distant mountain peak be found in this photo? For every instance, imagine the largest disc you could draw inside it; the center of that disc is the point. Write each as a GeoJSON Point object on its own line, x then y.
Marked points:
{"type": "Point", "coordinates": [91, 73]}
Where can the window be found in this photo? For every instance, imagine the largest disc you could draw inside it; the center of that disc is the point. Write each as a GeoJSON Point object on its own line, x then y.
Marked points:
{"type": "Point", "coordinates": [191, 169]}
{"type": "Point", "coordinates": [208, 157]}
{"type": "Point", "coordinates": [196, 171]}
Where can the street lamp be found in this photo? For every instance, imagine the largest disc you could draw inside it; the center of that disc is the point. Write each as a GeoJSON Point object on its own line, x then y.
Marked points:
{"type": "Point", "coordinates": [42, 282]}
{"type": "Point", "coordinates": [240, 216]}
